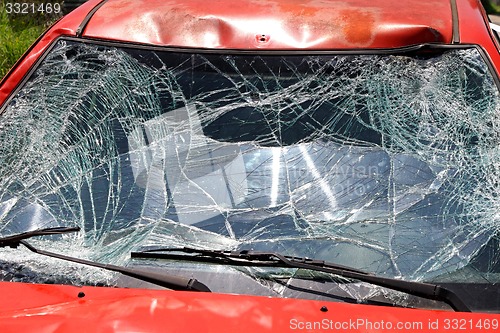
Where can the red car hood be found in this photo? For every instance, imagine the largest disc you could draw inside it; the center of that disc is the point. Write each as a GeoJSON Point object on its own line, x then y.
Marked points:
{"type": "Point", "coordinates": [54, 308]}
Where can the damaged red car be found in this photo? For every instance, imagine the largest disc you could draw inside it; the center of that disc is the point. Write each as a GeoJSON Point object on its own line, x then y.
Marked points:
{"type": "Point", "coordinates": [253, 166]}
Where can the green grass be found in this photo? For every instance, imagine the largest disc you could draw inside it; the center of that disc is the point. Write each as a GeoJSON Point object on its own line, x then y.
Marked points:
{"type": "Point", "coordinates": [17, 33]}
{"type": "Point", "coordinates": [490, 8]}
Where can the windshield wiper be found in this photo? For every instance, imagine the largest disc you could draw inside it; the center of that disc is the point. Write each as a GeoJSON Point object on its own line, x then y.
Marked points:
{"type": "Point", "coordinates": [272, 259]}
{"type": "Point", "coordinates": [167, 281]}
{"type": "Point", "coordinates": [14, 240]}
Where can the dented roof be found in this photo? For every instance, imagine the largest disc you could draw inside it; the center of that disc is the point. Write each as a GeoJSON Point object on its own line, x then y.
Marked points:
{"type": "Point", "coordinates": [273, 24]}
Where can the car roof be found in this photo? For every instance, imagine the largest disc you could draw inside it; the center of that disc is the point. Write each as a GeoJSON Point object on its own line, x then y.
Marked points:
{"type": "Point", "coordinates": [273, 24]}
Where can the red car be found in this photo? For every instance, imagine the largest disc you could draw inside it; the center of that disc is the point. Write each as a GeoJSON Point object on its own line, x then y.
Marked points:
{"type": "Point", "coordinates": [253, 166]}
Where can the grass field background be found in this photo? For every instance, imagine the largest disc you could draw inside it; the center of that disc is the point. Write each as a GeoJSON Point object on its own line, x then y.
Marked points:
{"type": "Point", "coordinates": [19, 31]}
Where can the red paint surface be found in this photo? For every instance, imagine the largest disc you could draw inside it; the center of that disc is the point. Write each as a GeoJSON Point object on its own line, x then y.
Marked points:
{"type": "Point", "coordinates": [48, 308]}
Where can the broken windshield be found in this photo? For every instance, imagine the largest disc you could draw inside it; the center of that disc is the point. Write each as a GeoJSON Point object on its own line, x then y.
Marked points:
{"type": "Point", "coordinates": [385, 163]}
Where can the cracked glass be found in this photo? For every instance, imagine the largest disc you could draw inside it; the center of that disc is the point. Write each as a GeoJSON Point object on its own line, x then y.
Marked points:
{"type": "Point", "coordinates": [389, 163]}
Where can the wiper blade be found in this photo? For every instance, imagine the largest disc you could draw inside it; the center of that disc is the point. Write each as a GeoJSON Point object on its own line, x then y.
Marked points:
{"type": "Point", "coordinates": [167, 281]}
{"type": "Point", "coordinates": [14, 240]}
{"type": "Point", "coordinates": [272, 259]}
{"type": "Point", "coordinates": [236, 258]}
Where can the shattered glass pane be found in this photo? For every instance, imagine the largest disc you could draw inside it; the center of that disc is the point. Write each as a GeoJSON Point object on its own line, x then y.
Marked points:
{"type": "Point", "coordinates": [388, 163]}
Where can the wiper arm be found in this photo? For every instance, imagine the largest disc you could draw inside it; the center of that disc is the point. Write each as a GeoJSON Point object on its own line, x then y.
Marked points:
{"type": "Point", "coordinates": [15, 240]}
{"type": "Point", "coordinates": [167, 281]}
{"type": "Point", "coordinates": [272, 259]}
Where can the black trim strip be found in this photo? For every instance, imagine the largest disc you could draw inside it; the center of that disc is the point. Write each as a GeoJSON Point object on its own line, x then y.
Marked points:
{"type": "Point", "coordinates": [276, 52]}
{"type": "Point", "coordinates": [87, 18]}
{"type": "Point", "coordinates": [454, 20]}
